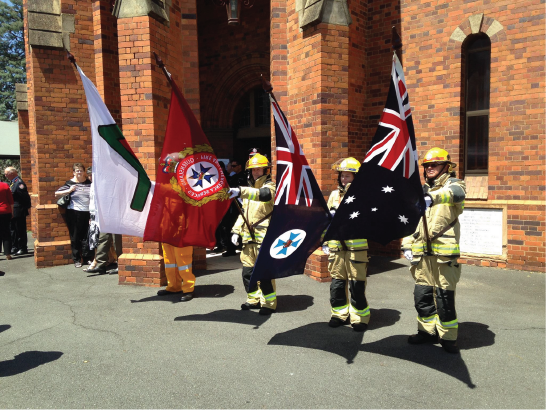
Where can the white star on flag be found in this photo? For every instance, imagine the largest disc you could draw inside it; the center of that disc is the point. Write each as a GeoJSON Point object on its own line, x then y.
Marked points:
{"type": "Point", "coordinates": [403, 219]}
{"type": "Point", "coordinates": [388, 189]}
{"type": "Point", "coordinates": [354, 215]}
{"type": "Point", "coordinates": [374, 209]}
{"type": "Point", "coordinates": [350, 199]}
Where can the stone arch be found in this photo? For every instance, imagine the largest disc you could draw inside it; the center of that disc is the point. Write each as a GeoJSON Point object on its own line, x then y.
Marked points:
{"type": "Point", "coordinates": [242, 75]}
{"type": "Point", "coordinates": [477, 23]}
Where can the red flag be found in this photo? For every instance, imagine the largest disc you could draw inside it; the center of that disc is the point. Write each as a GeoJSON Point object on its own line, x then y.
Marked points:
{"type": "Point", "coordinates": [190, 196]}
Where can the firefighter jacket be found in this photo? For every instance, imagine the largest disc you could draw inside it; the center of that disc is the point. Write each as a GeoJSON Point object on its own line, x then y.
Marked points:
{"type": "Point", "coordinates": [258, 201]}
{"type": "Point", "coordinates": [448, 194]}
{"type": "Point", "coordinates": [350, 244]}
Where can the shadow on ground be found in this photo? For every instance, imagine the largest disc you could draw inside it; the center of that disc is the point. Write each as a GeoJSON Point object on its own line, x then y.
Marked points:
{"type": "Point", "coordinates": [285, 304]}
{"type": "Point", "coordinates": [26, 361]}
{"type": "Point", "coordinates": [379, 264]}
{"type": "Point", "coordinates": [343, 341]}
{"type": "Point", "coordinates": [473, 336]}
{"type": "Point", "coordinates": [201, 291]}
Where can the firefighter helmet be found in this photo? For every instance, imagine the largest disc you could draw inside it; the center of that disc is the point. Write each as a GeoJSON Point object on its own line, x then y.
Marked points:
{"type": "Point", "coordinates": [257, 161]}
{"type": "Point", "coordinates": [440, 156]}
{"type": "Point", "coordinates": [347, 164]}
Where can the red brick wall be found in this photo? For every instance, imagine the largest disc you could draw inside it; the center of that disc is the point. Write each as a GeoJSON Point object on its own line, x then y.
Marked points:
{"type": "Point", "coordinates": [516, 147]}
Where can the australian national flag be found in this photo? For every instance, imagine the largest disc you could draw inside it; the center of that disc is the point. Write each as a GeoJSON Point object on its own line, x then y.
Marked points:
{"type": "Point", "coordinates": [300, 214]}
{"type": "Point", "coordinates": [385, 200]}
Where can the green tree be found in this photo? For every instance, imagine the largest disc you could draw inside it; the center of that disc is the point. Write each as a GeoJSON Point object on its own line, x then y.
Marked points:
{"type": "Point", "coordinates": [12, 56]}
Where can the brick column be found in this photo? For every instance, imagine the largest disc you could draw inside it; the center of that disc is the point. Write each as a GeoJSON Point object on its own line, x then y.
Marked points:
{"type": "Point", "coordinates": [309, 70]}
{"type": "Point", "coordinates": [145, 99]}
{"type": "Point", "coordinates": [58, 120]}
{"type": "Point", "coordinates": [24, 143]}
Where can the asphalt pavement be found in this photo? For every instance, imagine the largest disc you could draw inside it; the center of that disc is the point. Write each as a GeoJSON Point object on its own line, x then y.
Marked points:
{"type": "Point", "coordinates": [73, 340]}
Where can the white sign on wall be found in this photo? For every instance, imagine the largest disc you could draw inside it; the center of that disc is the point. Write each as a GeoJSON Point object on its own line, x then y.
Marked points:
{"type": "Point", "coordinates": [481, 231]}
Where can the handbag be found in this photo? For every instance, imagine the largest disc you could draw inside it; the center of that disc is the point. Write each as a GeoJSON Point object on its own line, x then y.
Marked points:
{"type": "Point", "coordinates": [63, 201]}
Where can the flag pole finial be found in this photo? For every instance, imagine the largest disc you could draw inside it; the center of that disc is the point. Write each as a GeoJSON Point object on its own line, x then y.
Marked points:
{"type": "Point", "coordinates": [268, 88]}
{"type": "Point", "coordinates": [161, 65]}
{"type": "Point", "coordinates": [71, 58]}
{"type": "Point", "coordinates": [396, 42]}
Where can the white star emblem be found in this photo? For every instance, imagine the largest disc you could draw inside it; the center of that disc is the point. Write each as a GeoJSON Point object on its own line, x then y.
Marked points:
{"type": "Point", "coordinates": [374, 209]}
{"type": "Point", "coordinates": [403, 219]}
{"type": "Point", "coordinates": [350, 199]}
{"type": "Point", "coordinates": [388, 189]}
{"type": "Point", "coordinates": [354, 215]}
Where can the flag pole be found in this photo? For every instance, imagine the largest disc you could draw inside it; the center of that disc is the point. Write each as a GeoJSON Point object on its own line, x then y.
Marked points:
{"type": "Point", "coordinates": [71, 58]}
{"type": "Point", "coordinates": [397, 47]}
{"type": "Point", "coordinates": [161, 65]}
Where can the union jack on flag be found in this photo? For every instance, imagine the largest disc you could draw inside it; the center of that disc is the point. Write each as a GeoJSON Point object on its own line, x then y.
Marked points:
{"type": "Point", "coordinates": [300, 214]}
{"type": "Point", "coordinates": [397, 146]}
{"type": "Point", "coordinates": [385, 200]}
{"type": "Point", "coordinates": [294, 182]}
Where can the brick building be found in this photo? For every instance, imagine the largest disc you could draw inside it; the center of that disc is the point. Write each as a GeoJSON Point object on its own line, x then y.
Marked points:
{"type": "Point", "coordinates": [474, 70]}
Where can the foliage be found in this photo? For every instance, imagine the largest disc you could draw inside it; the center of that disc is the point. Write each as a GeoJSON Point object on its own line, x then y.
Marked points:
{"type": "Point", "coordinates": [12, 56]}
{"type": "Point", "coordinates": [4, 163]}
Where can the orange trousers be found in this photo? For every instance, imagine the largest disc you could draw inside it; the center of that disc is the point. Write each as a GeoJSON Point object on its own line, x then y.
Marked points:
{"type": "Point", "coordinates": [178, 268]}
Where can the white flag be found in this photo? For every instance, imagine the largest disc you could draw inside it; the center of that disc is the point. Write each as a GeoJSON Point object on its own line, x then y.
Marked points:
{"type": "Point", "coordinates": [123, 191]}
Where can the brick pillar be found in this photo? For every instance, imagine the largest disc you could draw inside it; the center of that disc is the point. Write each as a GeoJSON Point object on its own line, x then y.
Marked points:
{"type": "Point", "coordinates": [145, 98]}
{"type": "Point", "coordinates": [309, 70]}
{"type": "Point", "coordinates": [24, 144]}
{"type": "Point", "coordinates": [58, 119]}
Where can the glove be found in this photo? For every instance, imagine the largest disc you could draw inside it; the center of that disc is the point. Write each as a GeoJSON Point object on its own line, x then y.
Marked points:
{"type": "Point", "coordinates": [428, 202]}
{"type": "Point", "coordinates": [235, 239]}
{"type": "Point", "coordinates": [233, 192]}
{"type": "Point", "coordinates": [408, 255]}
{"type": "Point", "coordinates": [326, 249]}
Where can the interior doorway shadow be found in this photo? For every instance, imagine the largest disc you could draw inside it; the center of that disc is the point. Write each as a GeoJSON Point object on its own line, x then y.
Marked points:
{"type": "Point", "coordinates": [26, 361]}
{"type": "Point", "coordinates": [473, 336]}
{"type": "Point", "coordinates": [201, 291]}
{"type": "Point", "coordinates": [240, 317]}
{"type": "Point", "coordinates": [342, 341]}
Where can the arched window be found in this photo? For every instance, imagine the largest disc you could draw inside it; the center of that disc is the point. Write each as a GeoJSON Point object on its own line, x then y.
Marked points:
{"type": "Point", "coordinates": [477, 68]}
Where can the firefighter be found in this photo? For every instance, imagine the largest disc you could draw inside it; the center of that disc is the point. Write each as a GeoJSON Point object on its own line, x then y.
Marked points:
{"type": "Point", "coordinates": [433, 257]}
{"type": "Point", "coordinates": [258, 199]}
{"type": "Point", "coordinates": [179, 272]}
{"type": "Point", "coordinates": [347, 262]}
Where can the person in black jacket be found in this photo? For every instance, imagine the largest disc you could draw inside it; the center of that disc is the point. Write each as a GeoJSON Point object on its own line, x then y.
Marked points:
{"type": "Point", "coordinates": [21, 205]}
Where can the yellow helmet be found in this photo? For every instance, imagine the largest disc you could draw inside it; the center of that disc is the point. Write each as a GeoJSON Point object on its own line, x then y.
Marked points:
{"type": "Point", "coordinates": [347, 164]}
{"type": "Point", "coordinates": [257, 161]}
{"type": "Point", "coordinates": [438, 155]}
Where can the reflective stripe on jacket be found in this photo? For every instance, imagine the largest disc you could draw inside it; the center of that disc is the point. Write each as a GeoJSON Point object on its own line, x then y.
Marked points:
{"type": "Point", "coordinates": [258, 202]}
{"type": "Point", "coordinates": [351, 244]}
{"type": "Point", "coordinates": [448, 195]}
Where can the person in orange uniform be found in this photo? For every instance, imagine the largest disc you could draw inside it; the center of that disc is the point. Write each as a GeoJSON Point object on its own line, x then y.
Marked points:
{"type": "Point", "coordinates": [178, 268]}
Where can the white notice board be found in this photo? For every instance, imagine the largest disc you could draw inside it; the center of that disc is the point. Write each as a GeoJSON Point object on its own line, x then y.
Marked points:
{"type": "Point", "coordinates": [481, 231]}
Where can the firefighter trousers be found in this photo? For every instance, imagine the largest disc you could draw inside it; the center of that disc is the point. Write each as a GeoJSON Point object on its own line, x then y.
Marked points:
{"type": "Point", "coordinates": [264, 292]}
{"type": "Point", "coordinates": [178, 268]}
{"type": "Point", "coordinates": [435, 280]}
{"type": "Point", "coordinates": [348, 270]}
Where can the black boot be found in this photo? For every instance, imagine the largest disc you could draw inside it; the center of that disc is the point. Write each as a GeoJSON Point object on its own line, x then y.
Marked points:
{"type": "Point", "coordinates": [266, 311]}
{"type": "Point", "coordinates": [248, 306]}
{"type": "Point", "coordinates": [422, 337]}
{"type": "Point", "coordinates": [359, 327]}
{"type": "Point", "coordinates": [336, 322]}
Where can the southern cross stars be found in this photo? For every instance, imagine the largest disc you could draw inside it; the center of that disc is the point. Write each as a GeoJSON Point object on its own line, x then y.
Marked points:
{"type": "Point", "coordinates": [388, 189]}
{"type": "Point", "coordinates": [201, 175]}
{"type": "Point", "coordinates": [354, 215]}
{"type": "Point", "coordinates": [350, 199]}
{"type": "Point", "coordinates": [403, 219]}
{"type": "Point", "coordinates": [374, 209]}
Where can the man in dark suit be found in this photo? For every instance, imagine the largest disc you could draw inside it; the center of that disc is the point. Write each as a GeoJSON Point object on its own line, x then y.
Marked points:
{"type": "Point", "coordinates": [21, 205]}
